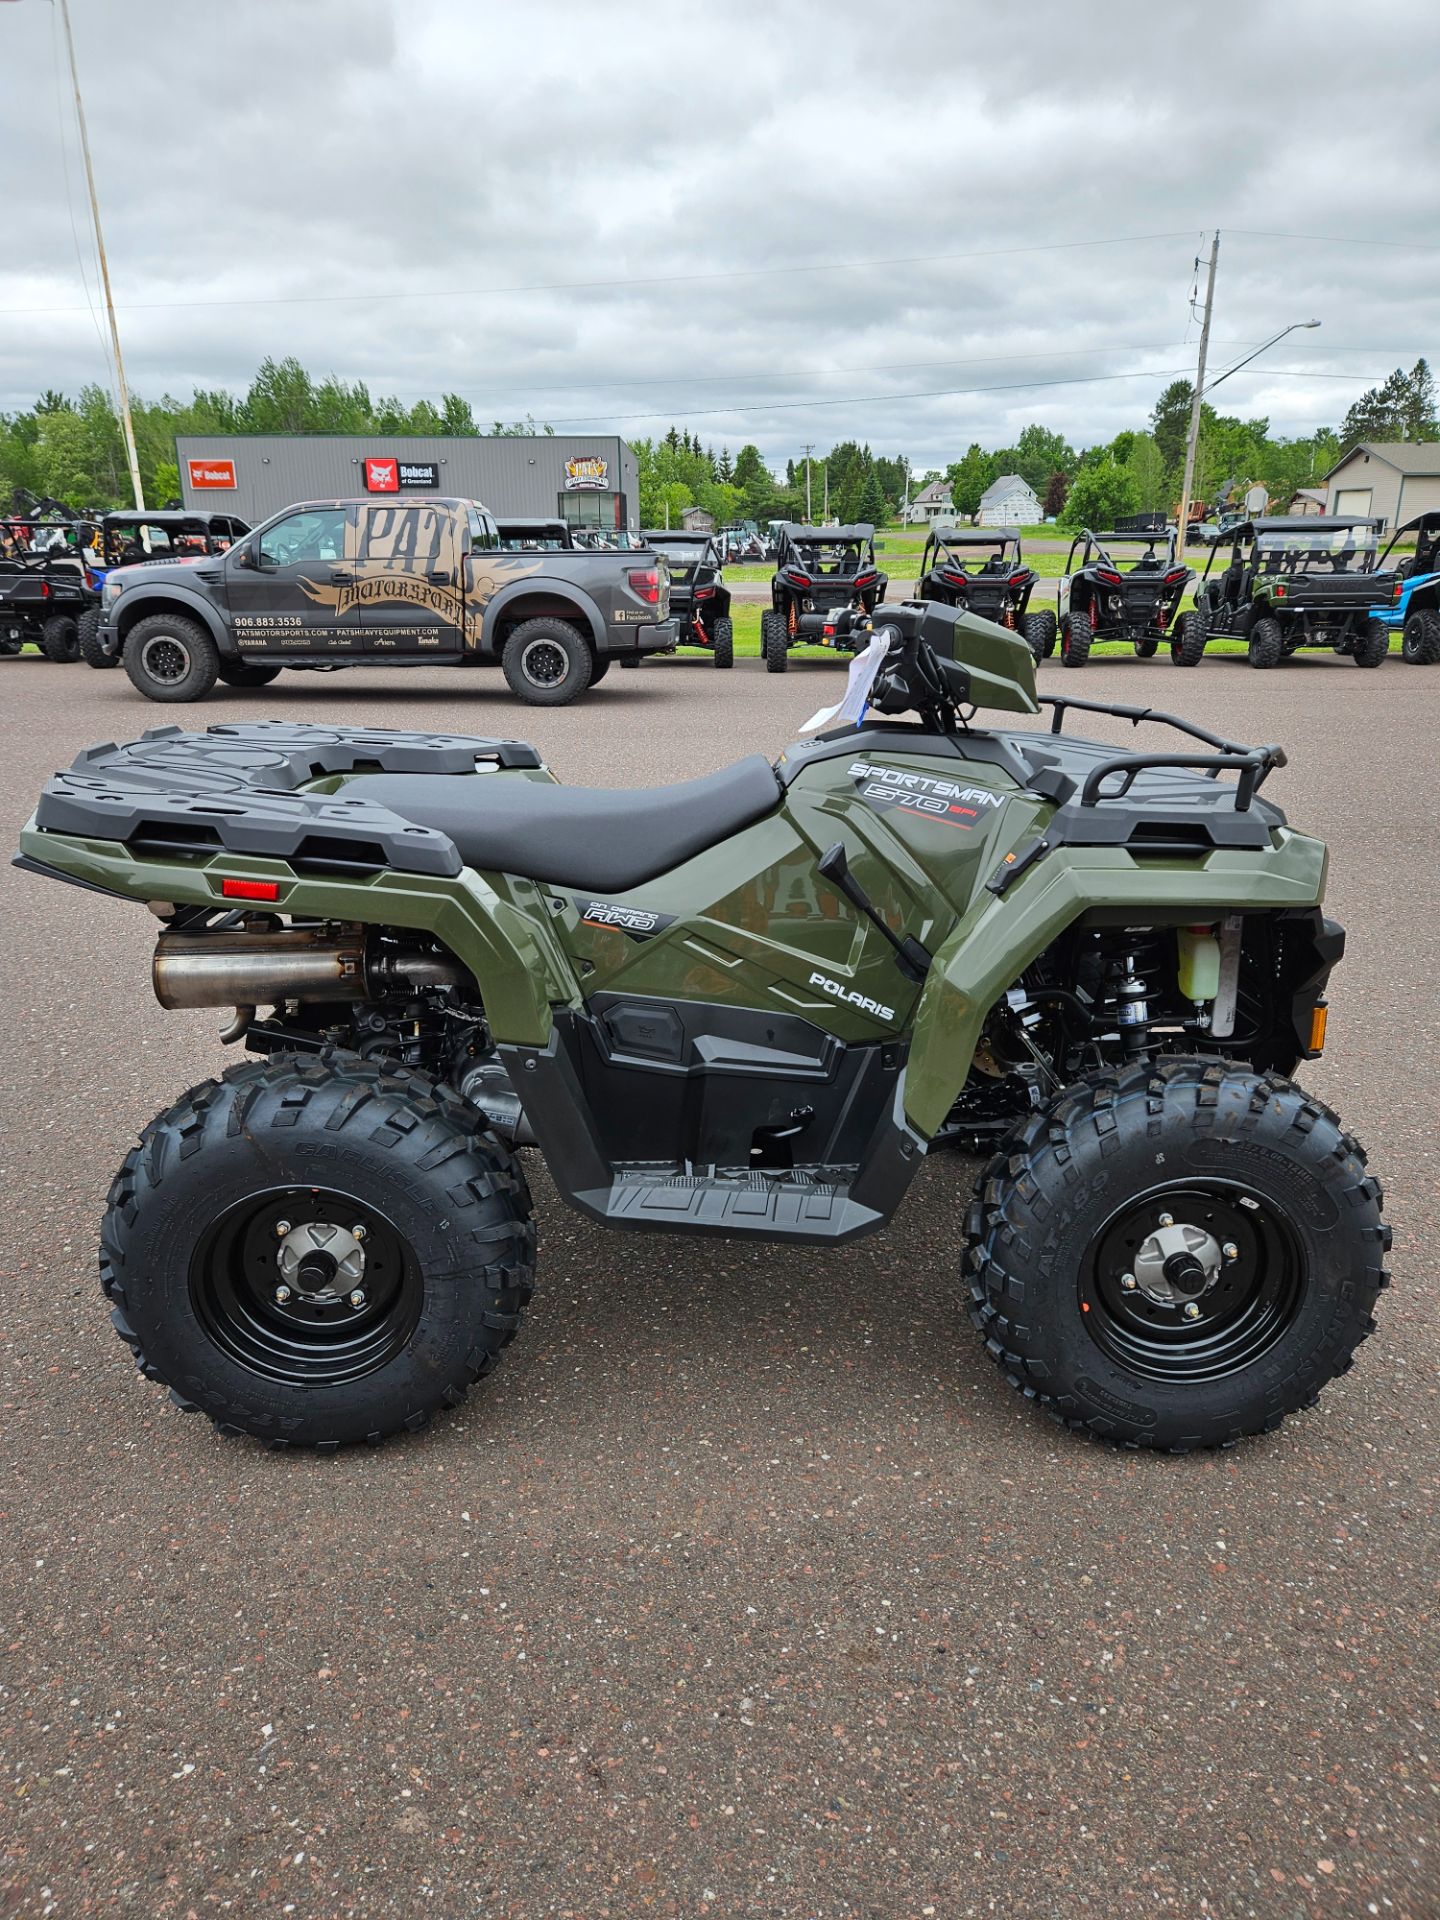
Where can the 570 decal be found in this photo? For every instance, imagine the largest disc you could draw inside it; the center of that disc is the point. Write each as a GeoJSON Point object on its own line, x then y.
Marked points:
{"type": "Point", "coordinates": [891, 788]}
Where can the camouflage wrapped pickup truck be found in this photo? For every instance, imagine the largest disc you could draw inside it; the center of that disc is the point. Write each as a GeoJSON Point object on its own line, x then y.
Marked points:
{"type": "Point", "coordinates": [360, 583]}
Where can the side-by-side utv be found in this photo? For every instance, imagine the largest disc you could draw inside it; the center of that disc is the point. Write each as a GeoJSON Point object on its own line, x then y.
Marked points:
{"type": "Point", "coordinates": [823, 576]}
{"type": "Point", "coordinates": [1125, 586]}
{"type": "Point", "coordinates": [983, 571]}
{"type": "Point", "coordinates": [1413, 607]}
{"type": "Point", "coordinates": [1283, 583]}
{"type": "Point", "coordinates": [747, 1005]}
{"type": "Point", "coordinates": [699, 597]}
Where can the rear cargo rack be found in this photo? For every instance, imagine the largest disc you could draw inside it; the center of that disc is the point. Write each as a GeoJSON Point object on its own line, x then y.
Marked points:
{"type": "Point", "coordinates": [1253, 764]}
{"type": "Point", "coordinates": [240, 788]}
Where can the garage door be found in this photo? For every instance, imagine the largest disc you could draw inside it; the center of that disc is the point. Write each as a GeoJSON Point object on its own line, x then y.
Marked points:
{"type": "Point", "coordinates": [1352, 500]}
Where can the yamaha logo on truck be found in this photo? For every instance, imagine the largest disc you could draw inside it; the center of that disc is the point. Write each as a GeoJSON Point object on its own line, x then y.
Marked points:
{"type": "Point", "coordinates": [888, 789]}
{"type": "Point", "coordinates": [851, 997]}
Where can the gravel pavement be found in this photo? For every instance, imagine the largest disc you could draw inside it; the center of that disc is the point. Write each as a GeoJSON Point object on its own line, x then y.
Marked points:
{"type": "Point", "coordinates": [746, 1586]}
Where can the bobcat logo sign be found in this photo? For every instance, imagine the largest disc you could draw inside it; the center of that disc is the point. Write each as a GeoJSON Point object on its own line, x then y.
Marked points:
{"type": "Point", "coordinates": [382, 476]}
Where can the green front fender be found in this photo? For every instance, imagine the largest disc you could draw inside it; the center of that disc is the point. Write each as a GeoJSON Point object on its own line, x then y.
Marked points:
{"type": "Point", "coordinates": [496, 926]}
{"type": "Point", "coordinates": [1000, 936]}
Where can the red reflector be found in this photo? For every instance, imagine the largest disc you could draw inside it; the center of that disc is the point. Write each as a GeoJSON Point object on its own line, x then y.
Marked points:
{"type": "Point", "coordinates": [250, 889]}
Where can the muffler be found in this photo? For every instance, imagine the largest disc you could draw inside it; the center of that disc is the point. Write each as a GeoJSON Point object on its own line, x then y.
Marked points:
{"type": "Point", "coordinates": [262, 969]}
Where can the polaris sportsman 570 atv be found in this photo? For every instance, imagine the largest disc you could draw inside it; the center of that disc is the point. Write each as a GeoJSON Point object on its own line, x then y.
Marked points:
{"type": "Point", "coordinates": [1302, 581]}
{"type": "Point", "coordinates": [750, 1005]}
{"type": "Point", "coordinates": [982, 570]}
{"type": "Point", "coordinates": [823, 577]}
{"type": "Point", "coordinates": [1101, 598]}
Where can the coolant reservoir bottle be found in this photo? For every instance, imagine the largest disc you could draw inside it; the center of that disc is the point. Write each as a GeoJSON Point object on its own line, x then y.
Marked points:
{"type": "Point", "coordinates": [1199, 957]}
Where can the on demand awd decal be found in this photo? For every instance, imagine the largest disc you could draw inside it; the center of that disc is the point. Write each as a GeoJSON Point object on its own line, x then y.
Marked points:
{"type": "Point", "coordinates": [891, 789]}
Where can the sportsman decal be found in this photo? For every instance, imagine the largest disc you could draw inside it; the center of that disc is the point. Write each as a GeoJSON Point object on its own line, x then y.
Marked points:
{"type": "Point", "coordinates": [893, 789]}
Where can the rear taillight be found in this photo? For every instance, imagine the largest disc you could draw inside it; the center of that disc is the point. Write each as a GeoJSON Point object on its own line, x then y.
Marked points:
{"type": "Point", "coordinates": [1175, 573]}
{"type": "Point", "coordinates": [866, 579]}
{"type": "Point", "coordinates": [955, 579]}
{"type": "Point", "coordinates": [1398, 590]}
{"type": "Point", "coordinates": [800, 580]}
{"type": "Point", "coordinates": [45, 589]}
{"type": "Point", "coordinates": [1110, 579]}
{"type": "Point", "coordinates": [705, 593]}
{"type": "Point", "coordinates": [645, 584]}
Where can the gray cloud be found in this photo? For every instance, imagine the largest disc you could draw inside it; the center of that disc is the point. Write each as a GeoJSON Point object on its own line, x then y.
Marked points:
{"type": "Point", "coordinates": [255, 163]}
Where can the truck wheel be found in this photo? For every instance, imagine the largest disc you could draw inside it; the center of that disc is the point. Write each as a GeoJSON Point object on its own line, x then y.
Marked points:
{"type": "Point", "coordinates": [59, 639]}
{"type": "Point", "coordinates": [1266, 645]}
{"type": "Point", "coordinates": [1146, 649]}
{"type": "Point", "coordinates": [724, 644]}
{"type": "Point", "coordinates": [1176, 1255]}
{"type": "Point", "coordinates": [170, 658]}
{"type": "Point", "coordinates": [774, 642]}
{"type": "Point", "coordinates": [1039, 630]}
{"type": "Point", "coordinates": [1187, 640]}
{"type": "Point", "coordinates": [1421, 644]}
{"type": "Point", "coordinates": [248, 1275]}
{"type": "Point", "coordinates": [1077, 636]}
{"type": "Point", "coordinates": [87, 641]}
{"type": "Point", "coordinates": [547, 662]}
{"type": "Point", "coordinates": [247, 673]}
{"type": "Point", "coordinates": [1372, 644]}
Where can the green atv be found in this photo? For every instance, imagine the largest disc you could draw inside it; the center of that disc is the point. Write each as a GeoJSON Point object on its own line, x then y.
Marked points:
{"type": "Point", "coordinates": [750, 1005]}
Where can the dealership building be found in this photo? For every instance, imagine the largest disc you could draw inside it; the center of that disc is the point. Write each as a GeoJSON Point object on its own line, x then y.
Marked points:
{"type": "Point", "coordinates": [589, 480]}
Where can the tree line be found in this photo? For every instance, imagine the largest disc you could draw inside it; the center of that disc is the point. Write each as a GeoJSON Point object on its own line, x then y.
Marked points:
{"type": "Point", "coordinates": [72, 450]}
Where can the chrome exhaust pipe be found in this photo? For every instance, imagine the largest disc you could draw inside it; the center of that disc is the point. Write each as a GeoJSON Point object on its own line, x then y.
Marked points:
{"type": "Point", "coordinates": [262, 969]}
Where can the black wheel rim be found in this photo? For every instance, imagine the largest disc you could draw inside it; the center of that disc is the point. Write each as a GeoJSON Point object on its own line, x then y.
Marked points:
{"type": "Point", "coordinates": [166, 659]}
{"type": "Point", "coordinates": [1248, 1304]}
{"type": "Point", "coordinates": [544, 663]}
{"type": "Point", "coordinates": [318, 1335]}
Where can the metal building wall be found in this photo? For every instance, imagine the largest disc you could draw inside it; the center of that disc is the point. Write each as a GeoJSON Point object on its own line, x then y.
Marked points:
{"type": "Point", "coordinates": [510, 476]}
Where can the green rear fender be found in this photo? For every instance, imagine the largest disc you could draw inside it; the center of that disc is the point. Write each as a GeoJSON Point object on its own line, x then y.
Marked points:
{"type": "Point", "coordinates": [1000, 936]}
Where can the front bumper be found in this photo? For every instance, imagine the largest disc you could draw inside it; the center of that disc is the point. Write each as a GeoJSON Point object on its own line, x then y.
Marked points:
{"type": "Point", "coordinates": [107, 637]}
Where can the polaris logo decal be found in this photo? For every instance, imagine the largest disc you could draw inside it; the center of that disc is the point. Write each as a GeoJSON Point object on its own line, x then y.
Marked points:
{"type": "Point", "coordinates": [637, 921]}
{"type": "Point", "coordinates": [890, 788]}
{"type": "Point", "coordinates": [851, 998]}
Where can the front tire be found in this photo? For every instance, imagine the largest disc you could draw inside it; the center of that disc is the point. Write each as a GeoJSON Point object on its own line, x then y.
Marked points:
{"type": "Point", "coordinates": [547, 663]}
{"type": "Point", "coordinates": [1421, 644]}
{"type": "Point", "coordinates": [87, 641]}
{"type": "Point", "coordinates": [1280, 1246]}
{"type": "Point", "coordinates": [170, 658]}
{"type": "Point", "coordinates": [774, 642]}
{"type": "Point", "coordinates": [59, 640]}
{"type": "Point", "coordinates": [724, 642]}
{"type": "Point", "coordinates": [1187, 646]}
{"type": "Point", "coordinates": [1146, 649]}
{"type": "Point", "coordinates": [213, 1251]}
{"type": "Point", "coordinates": [1266, 645]}
{"type": "Point", "coordinates": [247, 673]}
{"type": "Point", "coordinates": [1077, 636]}
{"type": "Point", "coordinates": [1372, 644]}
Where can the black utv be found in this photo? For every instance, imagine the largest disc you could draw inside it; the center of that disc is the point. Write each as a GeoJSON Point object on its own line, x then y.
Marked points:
{"type": "Point", "coordinates": [45, 589]}
{"type": "Point", "coordinates": [983, 570]}
{"type": "Point", "coordinates": [821, 573]}
{"type": "Point", "coordinates": [138, 537]}
{"type": "Point", "coordinates": [1302, 581]}
{"type": "Point", "coordinates": [699, 597]}
{"type": "Point", "coordinates": [1134, 597]}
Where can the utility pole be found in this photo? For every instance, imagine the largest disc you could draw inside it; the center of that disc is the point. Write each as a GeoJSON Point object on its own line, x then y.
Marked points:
{"type": "Point", "coordinates": [827, 492]}
{"type": "Point", "coordinates": [1182, 526]}
{"type": "Point", "coordinates": [127, 425]}
{"type": "Point", "coordinates": [808, 445]}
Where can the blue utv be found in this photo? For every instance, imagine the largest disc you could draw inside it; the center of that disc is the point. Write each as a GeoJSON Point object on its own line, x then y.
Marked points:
{"type": "Point", "coordinates": [1414, 605]}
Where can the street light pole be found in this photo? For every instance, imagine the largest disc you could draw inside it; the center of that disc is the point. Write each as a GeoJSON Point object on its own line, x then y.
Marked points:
{"type": "Point", "coordinates": [1182, 524]}
{"type": "Point", "coordinates": [127, 425]}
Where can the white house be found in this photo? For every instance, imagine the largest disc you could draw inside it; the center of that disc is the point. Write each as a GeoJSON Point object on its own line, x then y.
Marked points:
{"type": "Point", "coordinates": [932, 503]}
{"type": "Point", "coordinates": [1009, 502]}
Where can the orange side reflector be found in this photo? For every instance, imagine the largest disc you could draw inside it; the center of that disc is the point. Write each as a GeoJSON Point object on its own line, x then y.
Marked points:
{"type": "Point", "coordinates": [250, 889]}
{"type": "Point", "coordinates": [1318, 1017]}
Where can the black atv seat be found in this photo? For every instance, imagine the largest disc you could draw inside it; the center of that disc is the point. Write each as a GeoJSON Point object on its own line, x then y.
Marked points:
{"type": "Point", "coordinates": [604, 839]}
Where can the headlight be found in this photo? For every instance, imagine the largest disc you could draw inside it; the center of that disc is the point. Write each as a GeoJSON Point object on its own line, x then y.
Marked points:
{"type": "Point", "coordinates": [112, 591]}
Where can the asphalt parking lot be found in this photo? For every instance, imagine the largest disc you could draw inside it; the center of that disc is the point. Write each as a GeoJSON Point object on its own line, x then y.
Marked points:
{"type": "Point", "coordinates": [746, 1586]}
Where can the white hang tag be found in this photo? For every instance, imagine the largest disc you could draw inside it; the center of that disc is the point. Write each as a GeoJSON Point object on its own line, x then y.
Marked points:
{"type": "Point", "coordinates": [850, 710]}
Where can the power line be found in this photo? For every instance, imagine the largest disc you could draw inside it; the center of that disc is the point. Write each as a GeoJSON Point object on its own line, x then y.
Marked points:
{"type": "Point", "coordinates": [1335, 239]}
{"type": "Point", "coordinates": [646, 280]}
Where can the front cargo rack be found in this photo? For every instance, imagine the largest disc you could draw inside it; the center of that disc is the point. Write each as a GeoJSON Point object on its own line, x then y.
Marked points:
{"type": "Point", "coordinates": [239, 788]}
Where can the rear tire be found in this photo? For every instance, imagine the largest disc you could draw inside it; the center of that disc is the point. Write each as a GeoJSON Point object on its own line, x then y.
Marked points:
{"type": "Point", "coordinates": [774, 642]}
{"type": "Point", "coordinates": [1421, 644]}
{"type": "Point", "coordinates": [1372, 644]}
{"type": "Point", "coordinates": [190, 1250]}
{"type": "Point", "coordinates": [170, 658]}
{"type": "Point", "coordinates": [59, 640]}
{"type": "Point", "coordinates": [724, 643]}
{"type": "Point", "coordinates": [547, 663]}
{"type": "Point", "coordinates": [1040, 635]}
{"type": "Point", "coordinates": [87, 641]}
{"type": "Point", "coordinates": [1077, 636]}
{"type": "Point", "coordinates": [1187, 643]}
{"type": "Point", "coordinates": [1071, 1206]}
{"type": "Point", "coordinates": [1266, 645]}
{"type": "Point", "coordinates": [247, 673]}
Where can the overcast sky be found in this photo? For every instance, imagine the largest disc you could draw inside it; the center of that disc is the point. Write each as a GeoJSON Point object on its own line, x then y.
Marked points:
{"type": "Point", "coordinates": [825, 217]}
